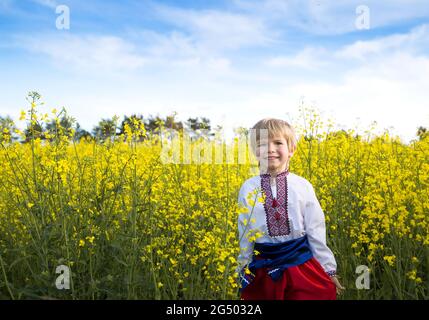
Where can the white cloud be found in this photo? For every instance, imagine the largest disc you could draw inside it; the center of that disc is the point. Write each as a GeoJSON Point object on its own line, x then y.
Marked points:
{"type": "Point", "coordinates": [217, 30]}
{"type": "Point", "coordinates": [326, 17]}
{"type": "Point", "coordinates": [308, 58]}
{"type": "Point", "coordinates": [383, 80]}
{"type": "Point", "coordinates": [179, 50]}
{"type": "Point", "coordinates": [47, 3]}
{"type": "Point", "coordinates": [416, 40]}
{"type": "Point", "coordinates": [221, 65]}
{"type": "Point", "coordinates": [106, 53]}
{"type": "Point", "coordinates": [173, 45]}
{"type": "Point", "coordinates": [85, 53]}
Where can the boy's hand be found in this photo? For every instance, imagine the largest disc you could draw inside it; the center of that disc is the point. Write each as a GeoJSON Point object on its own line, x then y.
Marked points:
{"type": "Point", "coordinates": [337, 283]}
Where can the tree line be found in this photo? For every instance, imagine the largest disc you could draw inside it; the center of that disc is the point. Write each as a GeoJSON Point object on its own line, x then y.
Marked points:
{"type": "Point", "coordinates": [106, 127]}
{"type": "Point", "coordinates": [109, 127]}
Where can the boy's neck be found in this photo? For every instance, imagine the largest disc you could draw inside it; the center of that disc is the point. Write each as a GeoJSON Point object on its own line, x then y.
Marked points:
{"type": "Point", "coordinates": [274, 173]}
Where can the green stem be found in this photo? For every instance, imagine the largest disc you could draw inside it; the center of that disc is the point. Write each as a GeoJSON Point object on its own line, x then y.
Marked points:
{"type": "Point", "coordinates": [5, 278]}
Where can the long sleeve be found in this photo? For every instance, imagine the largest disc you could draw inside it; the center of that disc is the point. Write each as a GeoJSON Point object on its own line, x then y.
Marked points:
{"type": "Point", "coordinates": [246, 247]}
{"type": "Point", "coordinates": [315, 227]}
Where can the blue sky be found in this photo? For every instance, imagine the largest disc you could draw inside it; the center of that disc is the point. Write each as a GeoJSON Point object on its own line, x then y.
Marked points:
{"type": "Point", "coordinates": [234, 62]}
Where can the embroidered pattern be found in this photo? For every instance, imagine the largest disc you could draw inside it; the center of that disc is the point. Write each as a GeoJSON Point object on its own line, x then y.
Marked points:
{"type": "Point", "coordinates": [332, 273]}
{"type": "Point", "coordinates": [276, 210]}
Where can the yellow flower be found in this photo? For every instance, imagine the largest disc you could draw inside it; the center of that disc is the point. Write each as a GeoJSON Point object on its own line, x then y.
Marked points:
{"type": "Point", "coordinates": [412, 274]}
{"type": "Point", "coordinates": [81, 243]}
{"type": "Point", "coordinates": [259, 234]}
{"type": "Point", "coordinates": [160, 284]}
{"type": "Point", "coordinates": [22, 116]}
{"type": "Point", "coordinates": [242, 209]}
{"type": "Point", "coordinates": [90, 239]}
{"type": "Point", "coordinates": [221, 268]}
{"type": "Point", "coordinates": [261, 199]}
{"type": "Point", "coordinates": [390, 259]}
{"type": "Point", "coordinates": [251, 202]}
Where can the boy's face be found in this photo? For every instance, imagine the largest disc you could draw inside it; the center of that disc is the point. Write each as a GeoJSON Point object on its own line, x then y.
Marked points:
{"type": "Point", "coordinates": [274, 152]}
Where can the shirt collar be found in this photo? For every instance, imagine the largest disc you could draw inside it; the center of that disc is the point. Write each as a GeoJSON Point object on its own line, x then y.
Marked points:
{"type": "Point", "coordinates": [279, 175]}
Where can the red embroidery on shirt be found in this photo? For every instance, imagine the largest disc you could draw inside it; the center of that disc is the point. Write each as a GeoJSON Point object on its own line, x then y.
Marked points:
{"type": "Point", "coordinates": [276, 209]}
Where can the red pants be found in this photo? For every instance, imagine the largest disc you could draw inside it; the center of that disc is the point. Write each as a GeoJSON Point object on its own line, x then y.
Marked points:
{"type": "Point", "coordinates": [307, 281]}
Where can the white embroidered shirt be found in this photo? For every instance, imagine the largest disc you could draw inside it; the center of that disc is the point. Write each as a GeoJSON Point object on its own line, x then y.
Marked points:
{"type": "Point", "coordinates": [290, 210]}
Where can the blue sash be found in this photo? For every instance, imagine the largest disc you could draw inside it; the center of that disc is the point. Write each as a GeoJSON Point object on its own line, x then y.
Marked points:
{"type": "Point", "coordinates": [277, 257]}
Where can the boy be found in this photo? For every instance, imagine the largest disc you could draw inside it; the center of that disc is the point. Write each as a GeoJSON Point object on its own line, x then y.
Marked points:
{"type": "Point", "coordinates": [291, 260]}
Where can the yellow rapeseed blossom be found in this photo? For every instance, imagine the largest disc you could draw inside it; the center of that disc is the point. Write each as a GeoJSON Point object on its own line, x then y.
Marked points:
{"type": "Point", "coordinates": [221, 268]}
{"type": "Point", "coordinates": [23, 115]}
{"type": "Point", "coordinates": [390, 259]}
{"type": "Point", "coordinates": [90, 239]}
{"type": "Point", "coordinates": [103, 206]}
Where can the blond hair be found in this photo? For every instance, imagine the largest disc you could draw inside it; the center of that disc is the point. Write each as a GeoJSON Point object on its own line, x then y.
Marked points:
{"type": "Point", "coordinates": [275, 127]}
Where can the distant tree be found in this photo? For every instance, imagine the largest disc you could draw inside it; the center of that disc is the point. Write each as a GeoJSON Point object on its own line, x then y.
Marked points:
{"type": "Point", "coordinates": [422, 133]}
{"type": "Point", "coordinates": [171, 123]}
{"type": "Point", "coordinates": [81, 133]}
{"type": "Point", "coordinates": [7, 129]}
{"type": "Point", "coordinates": [34, 131]}
{"type": "Point", "coordinates": [198, 127]}
{"type": "Point", "coordinates": [134, 122]}
{"type": "Point", "coordinates": [196, 123]}
{"type": "Point", "coordinates": [106, 128]}
{"type": "Point", "coordinates": [153, 124]}
{"type": "Point", "coordinates": [131, 120]}
{"type": "Point", "coordinates": [64, 125]}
